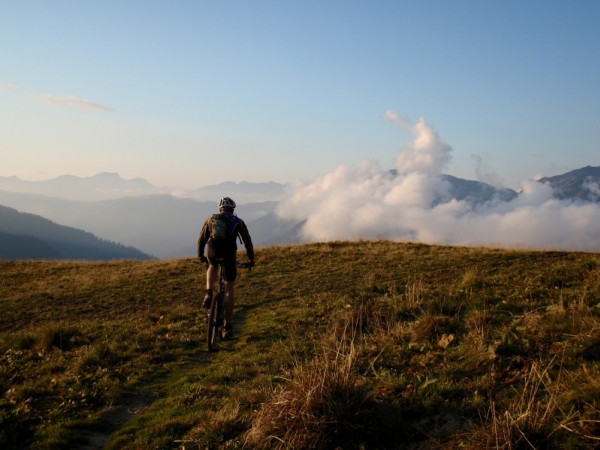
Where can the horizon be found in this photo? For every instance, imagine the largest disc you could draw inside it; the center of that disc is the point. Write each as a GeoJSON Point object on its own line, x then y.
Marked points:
{"type": "Point", "coordinates": [220, 182]}
{"type": "Point", "coordinates": [411, 203]}
{"type": "Point", "coordinates": [194, 93]}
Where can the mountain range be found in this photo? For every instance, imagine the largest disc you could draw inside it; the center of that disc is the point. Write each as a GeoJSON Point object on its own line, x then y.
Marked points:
{"type": "Point", "coordinates": [137, 214]}
{"type": "Point", "coordinates": [103, 186]}
{"type": "Point", "coordinates": [110, 186]}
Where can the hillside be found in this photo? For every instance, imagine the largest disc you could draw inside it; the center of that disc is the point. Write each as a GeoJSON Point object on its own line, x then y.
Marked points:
{"type": "Point", "coordinates": [13, 247]}
{"type": "Point", "coordinates": [24, 236]}
{"type": "Point", "coordinates": [161, 225]}
{"type": "Point", "coordinates": [580, 184]}
{"type": "Point", "coordinates": [351, 345]}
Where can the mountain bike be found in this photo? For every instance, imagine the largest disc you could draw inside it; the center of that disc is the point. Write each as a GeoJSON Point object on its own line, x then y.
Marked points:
{"type": "Point", "coordinates": [216, 312]}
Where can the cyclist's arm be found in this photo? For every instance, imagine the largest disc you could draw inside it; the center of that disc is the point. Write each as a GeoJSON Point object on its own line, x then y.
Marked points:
{"type": "Point", "coordinates": [203, 239]}
{"type": "Point", "coordinates": [247, 240]}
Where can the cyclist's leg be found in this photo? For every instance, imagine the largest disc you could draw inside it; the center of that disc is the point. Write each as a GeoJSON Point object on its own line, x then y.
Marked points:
{"type": "Point", "coordinates": [212, 254]}
{"type": "Point", "coordinates": [211, 276]}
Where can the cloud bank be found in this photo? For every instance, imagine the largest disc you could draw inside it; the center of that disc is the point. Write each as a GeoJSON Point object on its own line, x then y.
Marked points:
{"type": "Point", "coordinates": [368, 202]}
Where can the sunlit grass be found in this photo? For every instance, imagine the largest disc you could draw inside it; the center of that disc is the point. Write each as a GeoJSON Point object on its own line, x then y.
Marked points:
{"type": "Point", "coordinates": [471, 347]}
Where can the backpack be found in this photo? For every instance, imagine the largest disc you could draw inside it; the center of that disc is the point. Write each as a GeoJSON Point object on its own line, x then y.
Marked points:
{"type": "Point", "coordinates": [220, 227]}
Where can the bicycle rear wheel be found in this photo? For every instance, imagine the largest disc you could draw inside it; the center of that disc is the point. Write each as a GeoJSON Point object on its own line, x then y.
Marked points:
{"type": "Point", "coordinates": [214, 320]}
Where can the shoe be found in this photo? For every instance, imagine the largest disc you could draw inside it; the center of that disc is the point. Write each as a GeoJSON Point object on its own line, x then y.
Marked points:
{"type": "Point", "coordinates": [207, 299]}
{"type": "Point", "coordinates": [226, 332]}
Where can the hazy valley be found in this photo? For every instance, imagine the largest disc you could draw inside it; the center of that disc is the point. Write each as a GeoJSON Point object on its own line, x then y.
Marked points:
{"type": "Point", "coordinates": [134, 213]}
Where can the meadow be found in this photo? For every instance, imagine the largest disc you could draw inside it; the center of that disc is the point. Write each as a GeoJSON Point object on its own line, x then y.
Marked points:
{"type": "Point", "coordinates": [351, 345]}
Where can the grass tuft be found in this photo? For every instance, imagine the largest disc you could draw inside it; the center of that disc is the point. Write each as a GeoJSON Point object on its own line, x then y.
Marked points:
{"type": "Point", "coordinates": [325, 403]}
{"type": "Point", "coordinates": [58, 335]}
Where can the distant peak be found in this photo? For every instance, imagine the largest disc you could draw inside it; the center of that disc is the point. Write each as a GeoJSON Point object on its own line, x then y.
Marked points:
{"type": "Point", "coordinates": [108, 175]}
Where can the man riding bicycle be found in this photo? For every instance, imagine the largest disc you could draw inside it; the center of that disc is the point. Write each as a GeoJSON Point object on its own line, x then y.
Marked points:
{"type": "Point", "coordinates": [219, 234]}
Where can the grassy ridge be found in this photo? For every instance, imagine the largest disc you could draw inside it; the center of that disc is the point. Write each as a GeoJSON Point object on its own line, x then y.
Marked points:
{"type": "Point", "coordinates": [375, 343]}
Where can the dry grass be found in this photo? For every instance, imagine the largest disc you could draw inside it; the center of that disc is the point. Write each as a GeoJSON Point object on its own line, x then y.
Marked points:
{"type": "Point", "coordinates": [325, 403]}
{"type": "Point", "coordinates": [536, 418]}
{"type": "Point", "coordinates": [338, 344]}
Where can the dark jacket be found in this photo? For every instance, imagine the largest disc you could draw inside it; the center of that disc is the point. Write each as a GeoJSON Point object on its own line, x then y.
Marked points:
{"type": "Point", "coordinates": [238, 230]}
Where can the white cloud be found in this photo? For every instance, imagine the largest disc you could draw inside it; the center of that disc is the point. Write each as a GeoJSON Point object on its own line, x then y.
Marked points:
{"type": "Point", "coordinates": [414, 205]}
{"type": "Point", "coordinates": [426, 154]}
{"type": "Point", "coordinates": [9, 87]}
{"type": "Point", "coordinates": [68, 101]}
{"type": "Point", "coordinates": [484, 172]}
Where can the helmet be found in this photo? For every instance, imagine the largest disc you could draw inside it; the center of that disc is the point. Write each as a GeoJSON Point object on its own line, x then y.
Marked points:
{"type": "Point", "coordinates": [227, 202]}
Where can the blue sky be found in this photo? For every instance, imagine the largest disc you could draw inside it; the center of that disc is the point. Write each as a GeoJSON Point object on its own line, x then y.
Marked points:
{"type": "Point", "coordinates": [189, 93]}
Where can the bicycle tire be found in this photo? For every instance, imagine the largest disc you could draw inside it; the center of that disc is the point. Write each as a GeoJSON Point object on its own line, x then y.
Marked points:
{"type": "Point", "coordinates": [213, 321]}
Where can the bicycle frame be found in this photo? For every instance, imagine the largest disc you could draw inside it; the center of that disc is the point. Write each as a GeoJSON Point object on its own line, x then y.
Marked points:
{"type": "Point", "coordinates": [216, 312]}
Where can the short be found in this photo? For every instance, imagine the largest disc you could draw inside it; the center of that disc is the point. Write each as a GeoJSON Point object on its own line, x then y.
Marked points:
{"type": "Point", "coordinates": [215, 252]}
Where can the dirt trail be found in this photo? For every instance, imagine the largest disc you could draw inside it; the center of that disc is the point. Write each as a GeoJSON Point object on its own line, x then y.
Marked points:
{"type": "Point", "coordinates": [133, 405]}
{"type": "Point", "coordinates": [136, 404]}
{"type": "Point", "coordinates": [115, 418]}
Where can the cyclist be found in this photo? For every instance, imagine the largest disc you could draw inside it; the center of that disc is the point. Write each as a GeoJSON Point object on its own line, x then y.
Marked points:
{"type": "Point", "coordinates": [224, 247]}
